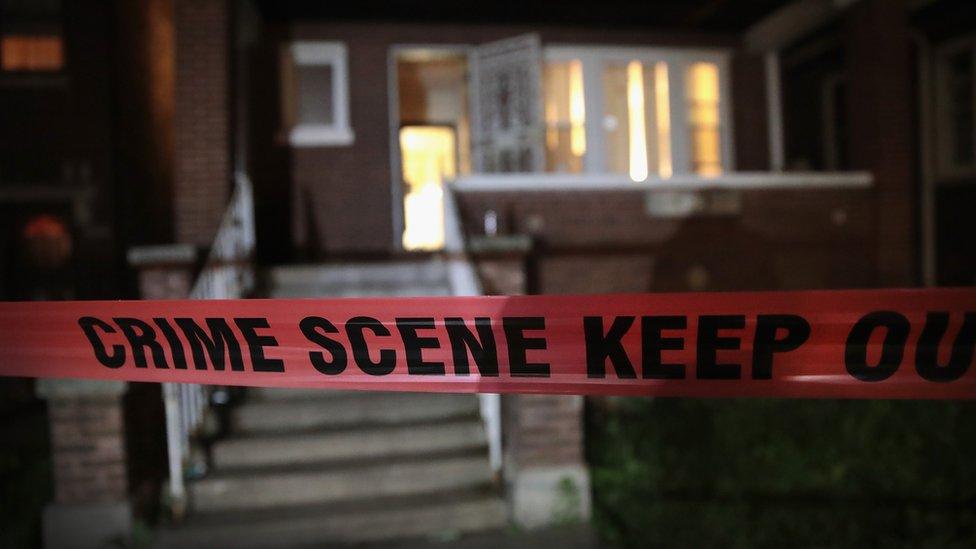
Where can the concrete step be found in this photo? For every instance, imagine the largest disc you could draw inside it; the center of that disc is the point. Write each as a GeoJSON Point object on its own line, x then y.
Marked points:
{"type": "Point", "coordinates": [350, 410]}
{"type": "Point", "coordinates": [307, 485]}
{"type": "Point", "coordinates": [320, 525]}
{"type": "Point", "coordinates": [399, 290]}
{"type": "Point", "coordinates": [271, 450]}
{"type": "Point", "coordinates": [260, 394]}
{"type": "Point", "coordinates": [428, 273]}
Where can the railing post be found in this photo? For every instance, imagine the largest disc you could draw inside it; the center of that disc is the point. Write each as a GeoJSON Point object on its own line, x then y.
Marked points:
{"type": "Point", "coordinates": [464, 281]}
{"type": "Point", "coordinates": [166, 272]}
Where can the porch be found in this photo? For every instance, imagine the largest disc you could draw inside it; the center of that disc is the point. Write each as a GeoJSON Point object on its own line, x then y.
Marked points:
{"type": "Point", "coordinates": [430, 466]}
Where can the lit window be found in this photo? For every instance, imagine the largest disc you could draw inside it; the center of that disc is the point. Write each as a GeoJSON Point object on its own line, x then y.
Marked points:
{"type": "Point", "coordinates": [703, 118]}
{"type": "Point", "coordinates": [315, 94]}
{"type": "Point", "coordinates": [637, 119]}
{"type": "Point", "coordinates": [565, 114]}
{"type": "Point", "coordinates": [653, 112]}
{"type": "Point", "coordinates": [31, 53]}
{"type": "Point", "coordinates": [429, 154]}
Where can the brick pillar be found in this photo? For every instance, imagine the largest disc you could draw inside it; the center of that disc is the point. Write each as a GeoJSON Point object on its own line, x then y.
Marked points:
{"type": "Point", "coordinates": [880, 107]}
{"type": "Point", "coordinates": [502, 263]}
{"type": "Point", "coordinates": [547, 479]}
{"type": "Point", "coordinates": [202, 118]}
{"type": "Point", "coordinates": [544, 471]}
{"type": "Point", "coordinates": [91, 507]}
{"type": "Point", "coordinates": [166, 271]}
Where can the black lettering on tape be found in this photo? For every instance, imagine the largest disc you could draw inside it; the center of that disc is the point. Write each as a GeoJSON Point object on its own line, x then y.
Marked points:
{"type": "Point", "coordinates": [221, 344]}
{"type": "Point", "coordinates": [88, 325]}
{"type": "Point", "coordinates": [256, 343]}
{"type": "Point", "coordinates": [519, 344]}
{"type": "Point", "coordinates": [709, 341]}
{"type": "Point", "coordinates": [360, 351]}
{"type": "Point", "coordinates": [141, 336]}
{"type": "Point", "coordinates": [892, 349]}
{"type": "Point", "coordinates": [175, 345]}
{"type": "Point", "coordinates": [414, 345]}
{"type": "Point", "coordinates": [927, 351]}
{"type": "Point", "coordinates": [653, 342]}
{"type": "Point", "coordinates": [601, 346]}
{"type": "Point", "coordinates": [765, 343]}
{"type": "Point", "coordinates": [315, 329]}
{"type": "Point", "coordinates": [482, 348]}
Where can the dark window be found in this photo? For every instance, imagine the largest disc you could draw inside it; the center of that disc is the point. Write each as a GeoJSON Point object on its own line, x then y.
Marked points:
{"type": "Point", "coordinates": [960, 106]}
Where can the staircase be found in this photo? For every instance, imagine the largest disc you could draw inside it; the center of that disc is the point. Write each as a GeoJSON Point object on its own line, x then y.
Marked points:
{"type": "Point", "coordinates": [311, 467]}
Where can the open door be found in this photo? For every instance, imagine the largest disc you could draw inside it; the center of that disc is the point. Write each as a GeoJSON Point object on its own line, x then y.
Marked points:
{"type": "Point", "coordinates": [506, 107]}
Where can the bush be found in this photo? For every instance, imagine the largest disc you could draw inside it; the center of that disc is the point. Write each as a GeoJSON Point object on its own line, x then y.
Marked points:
{"type": "Point", "coordinates": [753, 473]}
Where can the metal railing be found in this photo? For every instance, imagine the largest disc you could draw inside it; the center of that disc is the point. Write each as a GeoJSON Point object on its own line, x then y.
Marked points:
{"type": "Point", "coordinates": [227, 273]}
{"type": "Point", "coordinates": [464, 281]}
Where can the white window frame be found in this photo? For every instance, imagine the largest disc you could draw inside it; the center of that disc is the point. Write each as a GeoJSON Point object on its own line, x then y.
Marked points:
{"type": "Point", "coordinates": [947, 167]}
{"type": "Point", "coordinates": [316, 53]}
{"type": "Point", "coordinates": [678, 60]}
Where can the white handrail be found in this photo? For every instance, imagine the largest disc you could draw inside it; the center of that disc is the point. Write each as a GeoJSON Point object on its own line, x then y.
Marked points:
{"type": "Point", "coordinates": [679, 182]}
{"type": "Point", "coordinates": [226, 274]}
{"type": "Point", "coordinates": [464, 282]}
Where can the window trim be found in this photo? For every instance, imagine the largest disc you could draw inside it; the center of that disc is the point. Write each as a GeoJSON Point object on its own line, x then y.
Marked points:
{"type": "Point", "coordinates": [678, 60]}
{"type": "Point", "coordinates": [946, 167]}
{"type": "Point", "coordinates": [316, 53]}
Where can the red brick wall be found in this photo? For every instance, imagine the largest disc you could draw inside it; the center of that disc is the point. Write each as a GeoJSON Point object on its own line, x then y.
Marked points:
{"type": "Point", "coordinates": [202, 125]}
{"type": "Point", "coordinates": [881, 107]}
{"type": "Point", "coordinates": [87, 449]}
{"type": "Point", "coordinates": [543, 430]}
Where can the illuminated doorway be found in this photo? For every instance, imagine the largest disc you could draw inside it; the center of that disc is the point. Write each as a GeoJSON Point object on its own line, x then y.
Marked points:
{"type": "Point", "coordinates": [428, 160]}
{"type": "Point", "coordinates": [432, 139]}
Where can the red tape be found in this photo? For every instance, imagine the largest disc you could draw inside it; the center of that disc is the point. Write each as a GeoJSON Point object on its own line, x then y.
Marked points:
{"type": "Point", "coordinates": [811, 344]}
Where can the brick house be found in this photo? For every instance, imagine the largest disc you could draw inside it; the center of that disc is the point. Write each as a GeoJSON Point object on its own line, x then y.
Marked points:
{"type": "Point", "coordinates": [660, 147]}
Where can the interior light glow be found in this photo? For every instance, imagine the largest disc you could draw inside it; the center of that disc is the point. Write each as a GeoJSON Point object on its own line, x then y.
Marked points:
{"type": "Point", "coordinates": [706, 156]}
{"type": "Point", "coordinates": [31, 53]}
{"type": "Point", "coordinates": [635, 121]}
{"type": "Point", "coordinates": [663, 111]}
{"type": "Point", "coordinates": [552, 120]}
{"type": "Point", "coordinates": [428, 160]}
{"type": "Point", "coordinates": [577, 109]}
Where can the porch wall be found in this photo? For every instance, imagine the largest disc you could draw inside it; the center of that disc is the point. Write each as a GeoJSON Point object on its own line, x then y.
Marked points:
{"type": "Point", "coordinates": [605, 241]}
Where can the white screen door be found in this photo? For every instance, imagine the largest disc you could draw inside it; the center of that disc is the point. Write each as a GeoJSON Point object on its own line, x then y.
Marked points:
{"type": "Point", "coordinates": [506, 84]}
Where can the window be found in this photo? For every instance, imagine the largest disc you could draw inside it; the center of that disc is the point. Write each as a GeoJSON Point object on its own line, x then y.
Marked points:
{"type": "Point", "coordinates": [315, 94]}
{"type": "Point", "coordinates": [956, 101]}
{"type": "Point", "coordinates": [637, 119]}
{"type": "Point", "coordinates": [30, 40]}
{"type": "Point", "coordinates": [565, 114]}
{"type": "Point", "coordinates": [703, 118]}
{"type": "Point", "coordinates": [643, 112]}
{"type": "Point", "coordinates": [31, 53]}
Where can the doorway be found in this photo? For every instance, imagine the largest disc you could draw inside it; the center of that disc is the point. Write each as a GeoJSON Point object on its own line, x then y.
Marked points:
{"type": "Point", "coordinates": [432, 142]}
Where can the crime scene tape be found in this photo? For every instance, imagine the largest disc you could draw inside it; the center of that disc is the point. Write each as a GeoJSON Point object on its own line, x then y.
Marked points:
{"type": "Point", "coordinates": [805, 344]}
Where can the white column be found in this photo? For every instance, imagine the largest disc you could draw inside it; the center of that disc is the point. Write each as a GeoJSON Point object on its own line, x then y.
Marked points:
{"type": "Point", "coordinates": [774, 112]}
{"type": "Point", "coordinates": [595, 160]}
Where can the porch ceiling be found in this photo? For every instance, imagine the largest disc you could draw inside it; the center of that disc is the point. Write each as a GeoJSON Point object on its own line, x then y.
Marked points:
{"type": "Point", "coordinates": [709, 15]}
